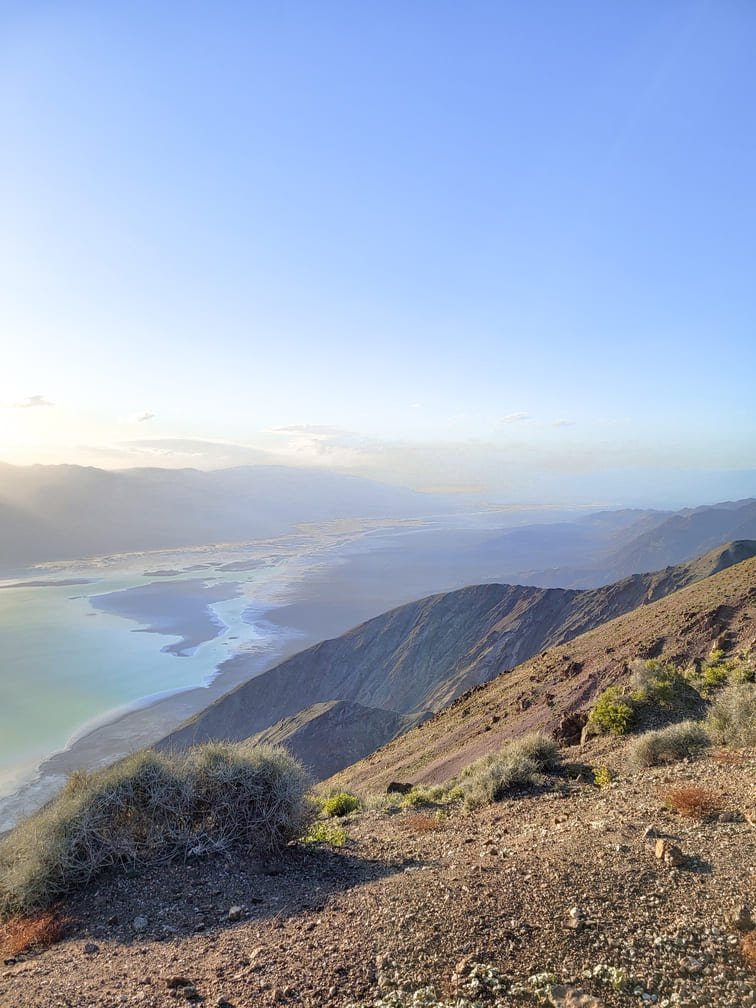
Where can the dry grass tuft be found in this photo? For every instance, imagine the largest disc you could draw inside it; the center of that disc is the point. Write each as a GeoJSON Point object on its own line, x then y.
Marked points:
{"type": "Point", "coordinates": [748, 948]}
{"type": "Point", "coordinates": [684, 740]}
{"type": "Point", "coordinates": [693, 802]}
{"type": "Point", "coordinates": [421, 823]}
{"type": "Point", "coordinates": [732, 716]}
{"type": "Point", "coordinates": [38, 931]}
{"type": "Point", "coordinates": [153, 807]}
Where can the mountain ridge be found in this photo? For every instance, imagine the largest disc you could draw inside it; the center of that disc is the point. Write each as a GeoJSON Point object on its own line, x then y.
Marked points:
{"type": "Point", "coordinates": [541, 693]}
{"type": "Point", "coordinates": [421, 656]}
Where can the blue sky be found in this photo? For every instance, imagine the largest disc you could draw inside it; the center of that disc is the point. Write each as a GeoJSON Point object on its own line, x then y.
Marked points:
{"type": "Point", "coordinates": [432, 242]}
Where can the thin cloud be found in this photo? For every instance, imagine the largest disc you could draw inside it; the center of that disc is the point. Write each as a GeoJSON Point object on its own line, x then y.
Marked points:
{"type": "Point", "coordinates": [307, 429]}
{"type": "Point", "coordinates": [514, 418]}
{"type": "Point", "coordinates": [142, 417]}
{"type": "Point", "coordinates": [32, 401]}
{"type": "Point", "coordinates": [562, 422]}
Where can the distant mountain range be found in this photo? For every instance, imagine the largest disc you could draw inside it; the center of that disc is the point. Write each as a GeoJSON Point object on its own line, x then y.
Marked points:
{"type": "Point", "coordinates": [604, 547]}
{"type": "Point", "coordinates": [397, 669]}
{"type": "Point", "coordinates": [66, 512]}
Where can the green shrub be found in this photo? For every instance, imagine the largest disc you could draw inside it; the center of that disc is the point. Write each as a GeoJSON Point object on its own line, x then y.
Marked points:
{"type": "Point", "coordinates": [744, 672]}
{"type": "Point", "coordinates": [654, 682]}
{"type": "Point", "coordinates": [732, 716]}
{"type": "Point", "coordinates": [421, 794]}
{"type": "Point", "coordinates": [612, 714]}
{"type": "Point", "coordinates": [602, 776]}
{"type": "Point", "coordinates": [667, 745]}
{"type": "Point", "coordinates": [325, 832]}
{"type": "Point", "coordinates": [718, 671]}
{"type": "Point", "coordinates": [417, 796]}
{"type": "Point", "coordinates": [153, 806]}
{"type": "Point", "coordinates": [341, 804]}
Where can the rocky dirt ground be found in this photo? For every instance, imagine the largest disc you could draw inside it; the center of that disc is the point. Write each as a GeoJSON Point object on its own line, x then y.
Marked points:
{"type": "Point", "coordinates": [563, 881]}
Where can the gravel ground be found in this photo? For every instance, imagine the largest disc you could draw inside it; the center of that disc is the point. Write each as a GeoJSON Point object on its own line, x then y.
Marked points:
{"type": "Point", "coordinates": [564, 881]}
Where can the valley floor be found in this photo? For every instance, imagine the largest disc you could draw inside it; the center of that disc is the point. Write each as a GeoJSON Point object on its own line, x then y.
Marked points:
{"type": "Point", "coordinates": [406, 899]}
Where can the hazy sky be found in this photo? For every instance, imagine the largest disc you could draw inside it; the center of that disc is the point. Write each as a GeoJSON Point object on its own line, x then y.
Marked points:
{"type": "Point", "coordinates": [436, 242]}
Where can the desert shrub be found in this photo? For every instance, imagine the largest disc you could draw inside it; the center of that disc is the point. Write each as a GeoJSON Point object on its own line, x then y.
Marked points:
{"type": "Point", "coordinates": [489, 779]}
{"type": "Point", "coordinates": [150, 807]}
{"type": "Point", "coordinates": [417, 796]}
{"type": "Point", "coordinates": [519, 764]}
{"type": "Point", "coordinates": [654, 682]}
{"type": "Point", "coordinates": [422, 822]}
{"type": "Point", "coordinates": [253, 795]}
{"type": "Point", "coordinates": [732, 716]}
{"type": "Point", "coordinates": [748, 948]}
{"type": "Point", "coordinates": [675, 742]}
{"type": "Point", "coordinates": [327, 832]}
{"type": "Point", "coordinates": [430, 794]}
{"type": "Point", "coordinates": [542, 749]}
{"type": "Point", "coordinates": [602, 776]}
{"type": "Point", "coordinates": [718, 671]}
{"type": "Point", "coordinates": [34, 931]}
{"type": "Point", "coordinates": [341, 804]}
{"type": "Point", "coordinates": [693, 802]}
{"type": "Point", "coordinates": [612, 714]}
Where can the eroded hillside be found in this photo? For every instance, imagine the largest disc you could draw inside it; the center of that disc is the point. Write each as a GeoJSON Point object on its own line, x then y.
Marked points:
{"type": "Point", "coordinates": [421, 656]}
{"type": "Point", "coordinates": [547, 690]}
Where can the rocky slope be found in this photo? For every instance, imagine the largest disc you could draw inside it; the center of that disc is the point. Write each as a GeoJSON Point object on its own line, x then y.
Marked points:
{"type": "Point", "coordinates": [421, 656]}
{"type": "Point", "coordinates": [549, 690]}
{"type": "Point", "coordinates": [562, 881]}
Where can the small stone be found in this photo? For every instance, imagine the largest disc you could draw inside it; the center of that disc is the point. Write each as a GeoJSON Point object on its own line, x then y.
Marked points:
{"type": "Point", "coordinates": [463, 966]}
{"type": "Point", "coordinates": [140, 923]}
{"type": "Point", "coordinates": [669, 853]}
{"type": "Point", "coordinates": [741, 918]}
{"type": "Point", "coordinates": [398, 787]}
{"type": "Point", "coordinates": [562, 996]}
{"type": "Point", "coordinates": [236, 913]}
{"type": "Point", "coordinates": [191, 993]}
{"type": "Point", "coordinates": [691, 966]}
{"type": "Point", "coordinates": [91, 949]}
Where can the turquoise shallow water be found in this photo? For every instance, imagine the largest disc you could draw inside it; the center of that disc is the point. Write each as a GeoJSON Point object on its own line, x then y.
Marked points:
{"type": "Point", "coordinates": [65, 666]}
